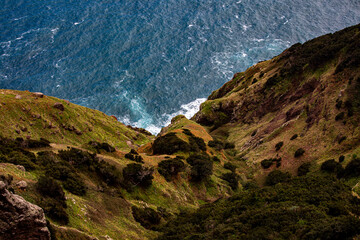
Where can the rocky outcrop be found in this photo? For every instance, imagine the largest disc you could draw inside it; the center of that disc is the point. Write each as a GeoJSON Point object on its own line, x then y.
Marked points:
{"type": "Point", "coordinates": [20, 219]}
{"type": "Point", "coordinates": [59, 106]}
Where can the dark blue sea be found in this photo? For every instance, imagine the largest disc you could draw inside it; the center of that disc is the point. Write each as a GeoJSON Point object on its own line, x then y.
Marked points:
{"type": "Point", "coordinates": [145, 61]}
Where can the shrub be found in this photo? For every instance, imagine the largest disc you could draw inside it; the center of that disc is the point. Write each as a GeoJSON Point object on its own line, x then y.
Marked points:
{"type": "Point", "coordinates": [215, 159]}
{"type": "Point", "coordinates": [135, 174]}
{"type": "Point", "coordinates": [197, 144]}
{"type": "Point", "coordinates": [201, 166]}
{"type": "Point", "coordinates": [187, 132]}
{"type": "Point", "coordinates": [169, 144]}
{"type": "Point", "coordinates": [49, 187]}
{"type": "Point", "coordinates": [147, 217]}
{"type": "Point", "coordinates": [341, 158]}
{"type": "Point", "coordinates": [341, 139]}
{"type": "Point", "coordinates": [353, 168]}
{"type": "Point", "coordinates": [217, 144]}
{"type": "Point", "coordinates": [338, 104]}
{"type": "Point", "coordinates": [266, 163]}
{"type": "Point", "coordinates": [331, 166]}
{"type": "Point", "coordinates": [20, 158]}
{"type": "Point", "coordinates": [304, 169]}
{"type": "Point", "coordinates": [232, 178]}
{"type": "Point", "coordinates": [279, 145]}
{"type": "Point", "coordinates": [294, 137]}
{"type": "Point", "coordinates": [102, 146]}
{"type": "Point", "coordinates": [229, 145]}
{"type": "Point", "coordinates": [299, 152]}
{"type": "Point", "coordinates": [134, 156]}
{"type": "Point", "coordinates": [55, 210]}
{"type": "Point", "coordinates": [340, 116]}
{"type": "Point", "coordinates": [170, 168]}
{"type": "Point", "coordinates": [230, 166]}
{"type": "Point", "coordinates": [75, 185]}
{"type": "Point", "coordinates": [277, 176]}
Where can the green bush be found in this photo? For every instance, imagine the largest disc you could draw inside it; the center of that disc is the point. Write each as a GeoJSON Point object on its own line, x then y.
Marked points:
{"type": "Point", "coordinates": [102, 146]}
{"type": "Point", "coordinates": [266, 163]}
{"type": "Point", "coordinates": [294, 137]}
{"type": "Point", "coordinates": [169, 144]}
{"type": "Point", "coordinates": [135, 174]}
{"type": "Point", "coordinates": [49, 187]}
{"type": "Point", "coordinates": [304, 169]}
{"type": "Point", "coordinates": [170, 168]}
{"type": "Point", "coordinates": [230, 166]}
{"type": "Point", "coordinates": [340, 116]}
{"type": "Point", "coordinates": [232, 178]}
{"type": "Point", "coordinates": [341, 158]}
{"type": "Point", "coordinates": [299, 152]}
{"type": "Point", "coordinates": [278, 146]}
{"type": "Point", "coordinates": [277, 176]}
{"type": "Point", "coordinates": [331, 166]}
{"type": "Point", "coordinates": [217, 144]}
{"type": "Point", "coordinates": [201, 166]}
{"type": "Point", "coordinates": [147, 217]}
{"type": "Point", "coordinates": [353, 168]}
{"type": "Point", "coordinates": [55, 210]}
{"type": "Point", "coordinates": [197, 144]}
{"type": "Point", "coordinates": [187, 132]}
{"type": "Point", "coordinates": [134, 156]}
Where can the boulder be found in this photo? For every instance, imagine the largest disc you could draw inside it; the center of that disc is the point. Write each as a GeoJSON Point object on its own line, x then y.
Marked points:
{"type": "Point", "coordinates": [22, 185]}
{"type": "Point", "coordinates": [19, 219]}
{"type": "Point", "coordinates": [59, 106]}
{"type": "Point", "coordinates": [38, 94]}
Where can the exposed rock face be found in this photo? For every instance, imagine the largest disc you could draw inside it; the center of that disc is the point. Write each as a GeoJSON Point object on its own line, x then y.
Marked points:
{"type": "Point", "coordinates": [20, 219]}
{"type": "Point", "coordinates": [59, 106]}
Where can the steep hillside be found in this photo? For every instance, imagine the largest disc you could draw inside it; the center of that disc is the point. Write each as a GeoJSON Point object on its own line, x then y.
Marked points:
{"type": "Point", "coordinates": [305, 98]}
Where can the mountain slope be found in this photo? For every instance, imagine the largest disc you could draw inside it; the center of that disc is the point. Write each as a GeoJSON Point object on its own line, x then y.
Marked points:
{"type": "Point", "coordinates": [310, 91]}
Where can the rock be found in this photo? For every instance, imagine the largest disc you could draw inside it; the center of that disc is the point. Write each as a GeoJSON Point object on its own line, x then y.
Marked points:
{"type": "Point", "coordinates": [18, 96]}
{"type": "Point", "coordinates": [19, 219]}
{"type": "Point", "coordinates": [59, 106]}
{"type": "Point", "coordinates": [22, 185]}
{"type": "Point", "coordinates": [21, 168]}
{"type": "Point", "coordinates": [78, 132]}
{"type": "Point", "coordinates": [38, 94]}
{"type": "Point", "coordinates": [17, 131]}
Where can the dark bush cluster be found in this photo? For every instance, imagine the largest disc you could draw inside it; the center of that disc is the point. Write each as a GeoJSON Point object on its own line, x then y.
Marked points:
{"type": "Point", "coordinates": [266, 163]}
{"type": "Point", "coordinates": [11, 151]}
{"type": "Point", "coordinates": [308, 207]}
{"type": "Point", "coordinates": [147, 217]}
{"type": "Point", "coordinates": [201, 166]}
{"type": "Point", "coordinates": [169, 144]}
{"type": "Point", "coordinates": [331, 166]}
{"type": "Point", "coordinates": [299, 152]}
{"type": "Point", "coordinates": [102, 146]}
{"type": "Point", "coordinates": [232, 178]}
{"type": "Point", "coordinates": [197, 144]}
{"type": "Point", "coordinates": [218, 144]}
{"type": "Point", "coordinates": [134, 156]}
{"type": "Point", "coordinates": [340, 116]}
{"type": "Point", "coordinates": [31, 143]}
{"type": "Point", "coordinates": [85, 161]}
{"type": "Point", "coordinates": [304, 169]}
{"type": "Point", "coordinates": [278, 146]}
{"type": "Point", "coordinates": [54, 203]}
{"type": "Point", "coordinates": [170, 168]}
{"type": "Point", "coordinates": [353, 168]}
{"type": "Point", "coordinates": [135, 174]}
{"type": "Point", "coordinates": [294, 137]}
{"type": "Point", "coordinates": [277, 176]}
{"type": "Point", "coordinates": [230, 166]}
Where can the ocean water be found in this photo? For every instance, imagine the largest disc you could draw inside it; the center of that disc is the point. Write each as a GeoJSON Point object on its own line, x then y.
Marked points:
{"type": "Point", "coordinates": [146, 61]}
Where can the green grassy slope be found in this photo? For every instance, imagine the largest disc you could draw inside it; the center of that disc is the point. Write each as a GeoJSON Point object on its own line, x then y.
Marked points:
{"type": "Point", "coordinates": [25, 115]}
